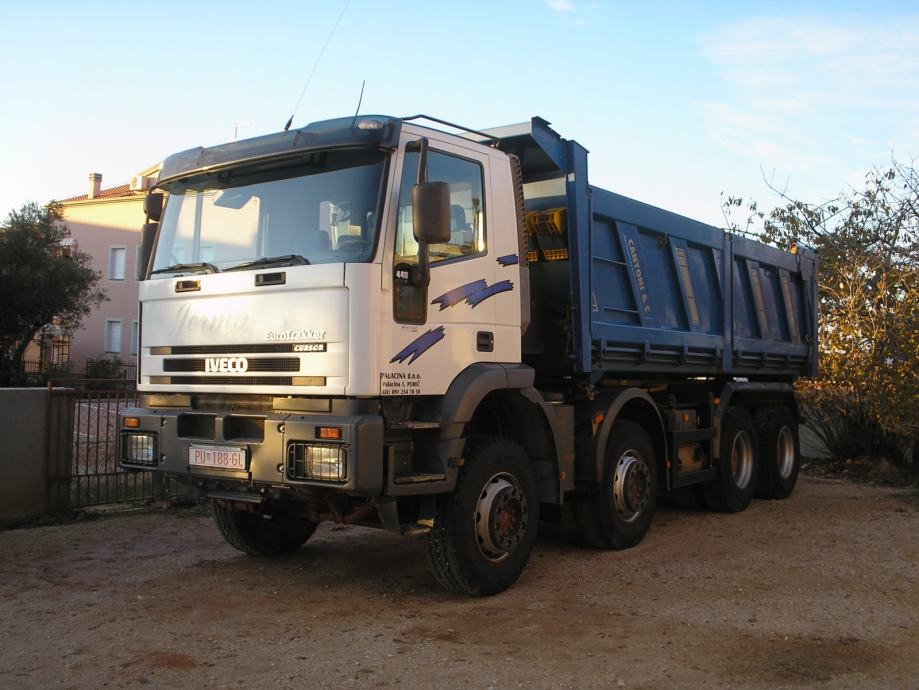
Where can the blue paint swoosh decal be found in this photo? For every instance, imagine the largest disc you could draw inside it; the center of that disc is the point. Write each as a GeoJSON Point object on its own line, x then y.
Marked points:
{"type": "Point", "coordinates": [472, 293]}
{"type": "Point", "coordinates": [508, 260]}
{"type": "Point", "coordinates": [419, 345]}
{"type": "Point", "coordinates": [490, 291]}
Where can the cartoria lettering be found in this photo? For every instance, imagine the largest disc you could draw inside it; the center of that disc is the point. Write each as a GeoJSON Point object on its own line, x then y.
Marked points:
{"type": "Point", "coordinates": [639, 276]}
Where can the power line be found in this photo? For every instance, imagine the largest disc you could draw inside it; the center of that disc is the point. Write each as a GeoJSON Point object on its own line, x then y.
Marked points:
{"type": "Point", "coordinates": [316, 64]}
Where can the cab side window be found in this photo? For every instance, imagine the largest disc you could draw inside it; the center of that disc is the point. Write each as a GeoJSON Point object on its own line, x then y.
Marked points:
{"type": "Point", "coordinates": [467, 208]}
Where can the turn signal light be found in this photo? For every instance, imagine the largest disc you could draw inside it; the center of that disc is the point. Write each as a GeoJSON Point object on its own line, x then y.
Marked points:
{"type": "Point", "coordinates": [131, 422]}
{"type": "Point", "coordinates": [329, 433]}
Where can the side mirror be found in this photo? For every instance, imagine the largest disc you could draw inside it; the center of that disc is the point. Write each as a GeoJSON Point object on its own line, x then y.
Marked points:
{"type": "Point", "coordinates": [147, 236]}
{"type": "Point", "coordinates": [153, 206]}
{"type": "Point", "coordinates": [431, 212]}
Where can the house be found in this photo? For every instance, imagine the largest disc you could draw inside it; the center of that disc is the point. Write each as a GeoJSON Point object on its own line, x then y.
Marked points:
{"type": "Point", "coordinates": [106, 224]}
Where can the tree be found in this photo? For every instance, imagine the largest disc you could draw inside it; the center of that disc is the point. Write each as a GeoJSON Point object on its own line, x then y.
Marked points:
{"type": "Point", "coordinates": [867, 400]}
{"type": "Point", "coordinates": [40, 282]}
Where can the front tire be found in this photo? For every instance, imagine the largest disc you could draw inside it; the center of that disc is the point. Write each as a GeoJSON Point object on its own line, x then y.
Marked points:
{"type": "Point", "coordinates": [738, 465]}
{"type": "Point", "coordinates": [258, 534]}
{"type": "Point", "coordinates": [485, 530]}
{"type": "Point", "coordinates": [619, 513]}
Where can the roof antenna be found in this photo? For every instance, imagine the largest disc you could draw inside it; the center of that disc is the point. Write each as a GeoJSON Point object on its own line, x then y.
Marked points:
{"type": "Point", "coordinates": [316, 64]}
{"type": "Point", "coordinates": [359, 99]}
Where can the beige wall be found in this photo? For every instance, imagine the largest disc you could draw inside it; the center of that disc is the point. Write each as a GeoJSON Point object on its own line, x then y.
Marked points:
{"type": "Point", "coordinates": [97, 226]}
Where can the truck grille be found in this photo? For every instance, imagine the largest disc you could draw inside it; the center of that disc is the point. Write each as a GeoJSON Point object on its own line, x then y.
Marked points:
{"type": "Point", "coordinates": [227, 380]}
{"type": "Point", "coordinates": [257, 348]}
{"type": "Point", "coordinates": [240, 380]}
{"type": "Point", "coordinates": [266, 364]}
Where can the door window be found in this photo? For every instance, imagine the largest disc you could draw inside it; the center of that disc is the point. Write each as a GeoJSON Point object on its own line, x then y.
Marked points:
{"type": "Point", "coordinates": [467, 209]}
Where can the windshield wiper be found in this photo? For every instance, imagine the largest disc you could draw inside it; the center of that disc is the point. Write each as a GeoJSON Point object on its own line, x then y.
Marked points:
{"type": "Point", "coordinates": [280, 260]}
{"type": "Point", "coordinates": [202, 266]}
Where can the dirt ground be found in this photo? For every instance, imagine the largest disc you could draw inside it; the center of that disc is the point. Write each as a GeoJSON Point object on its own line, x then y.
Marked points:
{"type": "Point", "coordinates": [821, 590]}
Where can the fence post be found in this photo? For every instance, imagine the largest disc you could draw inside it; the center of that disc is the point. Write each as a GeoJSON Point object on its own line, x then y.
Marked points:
{"type": "Point", "coordinates": [59, 447]}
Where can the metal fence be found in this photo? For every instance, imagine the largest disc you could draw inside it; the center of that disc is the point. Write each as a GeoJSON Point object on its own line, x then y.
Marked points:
{"type": "Point", "coordinates": [35, 373]}
{"type": "Point", "coordinates": [82, 448]}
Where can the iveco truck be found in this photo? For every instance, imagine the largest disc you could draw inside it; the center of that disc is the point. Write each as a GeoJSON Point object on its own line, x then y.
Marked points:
{"type": "Point", "coordinates": [452, 335]}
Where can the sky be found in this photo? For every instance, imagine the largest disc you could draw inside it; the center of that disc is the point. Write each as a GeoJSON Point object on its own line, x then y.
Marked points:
{"type": "Point", "coordinates": [677, 102]}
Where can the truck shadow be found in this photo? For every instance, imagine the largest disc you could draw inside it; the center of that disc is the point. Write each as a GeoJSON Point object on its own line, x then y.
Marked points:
{"type": "Point", "coordinates": [356, 561]}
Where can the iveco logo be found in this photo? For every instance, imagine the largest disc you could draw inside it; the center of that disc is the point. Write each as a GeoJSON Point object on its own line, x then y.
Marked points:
{"type": "Point", "coordinates": [226, 365]}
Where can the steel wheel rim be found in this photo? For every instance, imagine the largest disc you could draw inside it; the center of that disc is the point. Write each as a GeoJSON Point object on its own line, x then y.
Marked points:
{"type": "Point", "coordinates": [742, 459]}
{"type": "Point", "coordinates": [631, 486]}
{"type": "Point", "coordinates": [501, 517]}
{"type": "Point", "coordinates": [785, 452]}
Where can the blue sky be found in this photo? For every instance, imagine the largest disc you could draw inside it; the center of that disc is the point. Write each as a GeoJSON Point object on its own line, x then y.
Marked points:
{"type": "Point", "coordinates": [676, 101]}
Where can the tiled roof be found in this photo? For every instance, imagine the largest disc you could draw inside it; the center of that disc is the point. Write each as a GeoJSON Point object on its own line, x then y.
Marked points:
{"type": "Point", "coordinates": [122, 190]}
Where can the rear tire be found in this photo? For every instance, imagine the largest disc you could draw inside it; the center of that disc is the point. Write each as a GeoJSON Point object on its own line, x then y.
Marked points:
{"type": "Point", "coordinates": [257, 534]}
{"type": "Point", "coordinates": [485, 530]}
{"type": "Point", "coordinates": [619, 513]}
{"type": "Point", "coordinates": [733, 489]}
{"type": "Point", "coordinates": [780, 452]}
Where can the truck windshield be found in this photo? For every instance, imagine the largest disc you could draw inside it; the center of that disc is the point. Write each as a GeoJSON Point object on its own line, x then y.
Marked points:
{"type": "Point", "coordinates": [321, 208]}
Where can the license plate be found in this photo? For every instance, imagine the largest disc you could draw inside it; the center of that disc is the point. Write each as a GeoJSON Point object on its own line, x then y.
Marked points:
{"type": "Point", "coordinates": [221, 457]}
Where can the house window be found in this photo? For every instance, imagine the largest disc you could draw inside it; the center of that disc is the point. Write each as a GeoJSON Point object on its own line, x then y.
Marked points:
{"type": "Point", "coordinates": [113, 336]}
{"type": "Point", "coordinates": [116, 262]}
{"type": "Point", "coordinates": [134, 336]}
{"type": "Point", "coordinates": [138, 269]}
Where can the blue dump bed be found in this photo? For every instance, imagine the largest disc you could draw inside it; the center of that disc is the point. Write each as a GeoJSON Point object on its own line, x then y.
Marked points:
{"type": "Point", "coordinates": [623, 287]}
{"type": "Point", "coordinates": [671, 294]}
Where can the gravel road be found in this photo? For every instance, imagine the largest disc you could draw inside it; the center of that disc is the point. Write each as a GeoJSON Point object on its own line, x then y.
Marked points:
{"type": "Point", "coordinates": [820, 591]}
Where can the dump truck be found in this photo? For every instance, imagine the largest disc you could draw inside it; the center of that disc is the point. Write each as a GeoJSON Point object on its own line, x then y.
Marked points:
{"type": "Point", "coordinates": [450, 334]}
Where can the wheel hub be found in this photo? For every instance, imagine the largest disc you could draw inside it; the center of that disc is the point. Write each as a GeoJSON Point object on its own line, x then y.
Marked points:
{"type": "Point", "coordinates": [785, 452]}
{"type": "Point", "coordinates": [501, 517]}
{"type": "Point", "coordinates": [631, 486]}
{"type": "Point", "coordinates": [742, 459]}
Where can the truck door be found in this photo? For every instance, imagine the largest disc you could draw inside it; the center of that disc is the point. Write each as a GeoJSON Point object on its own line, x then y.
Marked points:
{"type": "Point", "coordinates": [439, 329]}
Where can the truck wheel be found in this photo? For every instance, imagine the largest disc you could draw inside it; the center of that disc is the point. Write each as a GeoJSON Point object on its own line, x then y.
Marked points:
{"type": "Point", "coordinates": [732, 491]}
{"type": "Point", "coordinates": [485, 529]}
{"type": "Point", "coordinates": [619, 514]}
{"type": "Point", "coordinates": [780, 452]}
{"type": "Point", "coordinates": [262, 535]}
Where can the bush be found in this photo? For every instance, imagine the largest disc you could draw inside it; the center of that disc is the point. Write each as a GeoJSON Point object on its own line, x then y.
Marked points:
{"type": "Point", "coordinates": [867, 401]}
{"type": "Point", "coordinates": [848, 427]}
{"type": "Point", "coordinates": [106, 368]}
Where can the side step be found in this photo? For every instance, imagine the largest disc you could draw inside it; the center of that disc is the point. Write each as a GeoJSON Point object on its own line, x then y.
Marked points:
{"type": "Point", "coordinates": [414, 425]}
{"type": "Point", "coordinates": [234, 496]}
{"type": "Point", "coordinates": [706, 438]}
{"type": "Point", "coordinates": [699, 477]}
{"type": "Point", "coordinates": [419, 478]}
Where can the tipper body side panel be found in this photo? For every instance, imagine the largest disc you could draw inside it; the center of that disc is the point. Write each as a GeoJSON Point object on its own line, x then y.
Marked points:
{"type": "Point", "coordinates": [623, 287]}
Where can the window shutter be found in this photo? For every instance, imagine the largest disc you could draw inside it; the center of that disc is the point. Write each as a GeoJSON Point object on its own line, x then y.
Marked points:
{"type": "Point", "coordinates": [113, 336]}
{"type": "Point", "coordinates": [116, 263]}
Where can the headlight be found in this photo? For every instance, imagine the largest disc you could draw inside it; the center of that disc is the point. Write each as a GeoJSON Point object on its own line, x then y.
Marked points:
{"type": "Point", "coordinates": [138, 449]}
{"type": "Point", "coordinates": [321, 461]}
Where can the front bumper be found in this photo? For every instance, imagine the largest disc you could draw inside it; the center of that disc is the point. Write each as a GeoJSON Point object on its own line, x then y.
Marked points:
{"type": "Point", "coordinates": [273, 443]}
